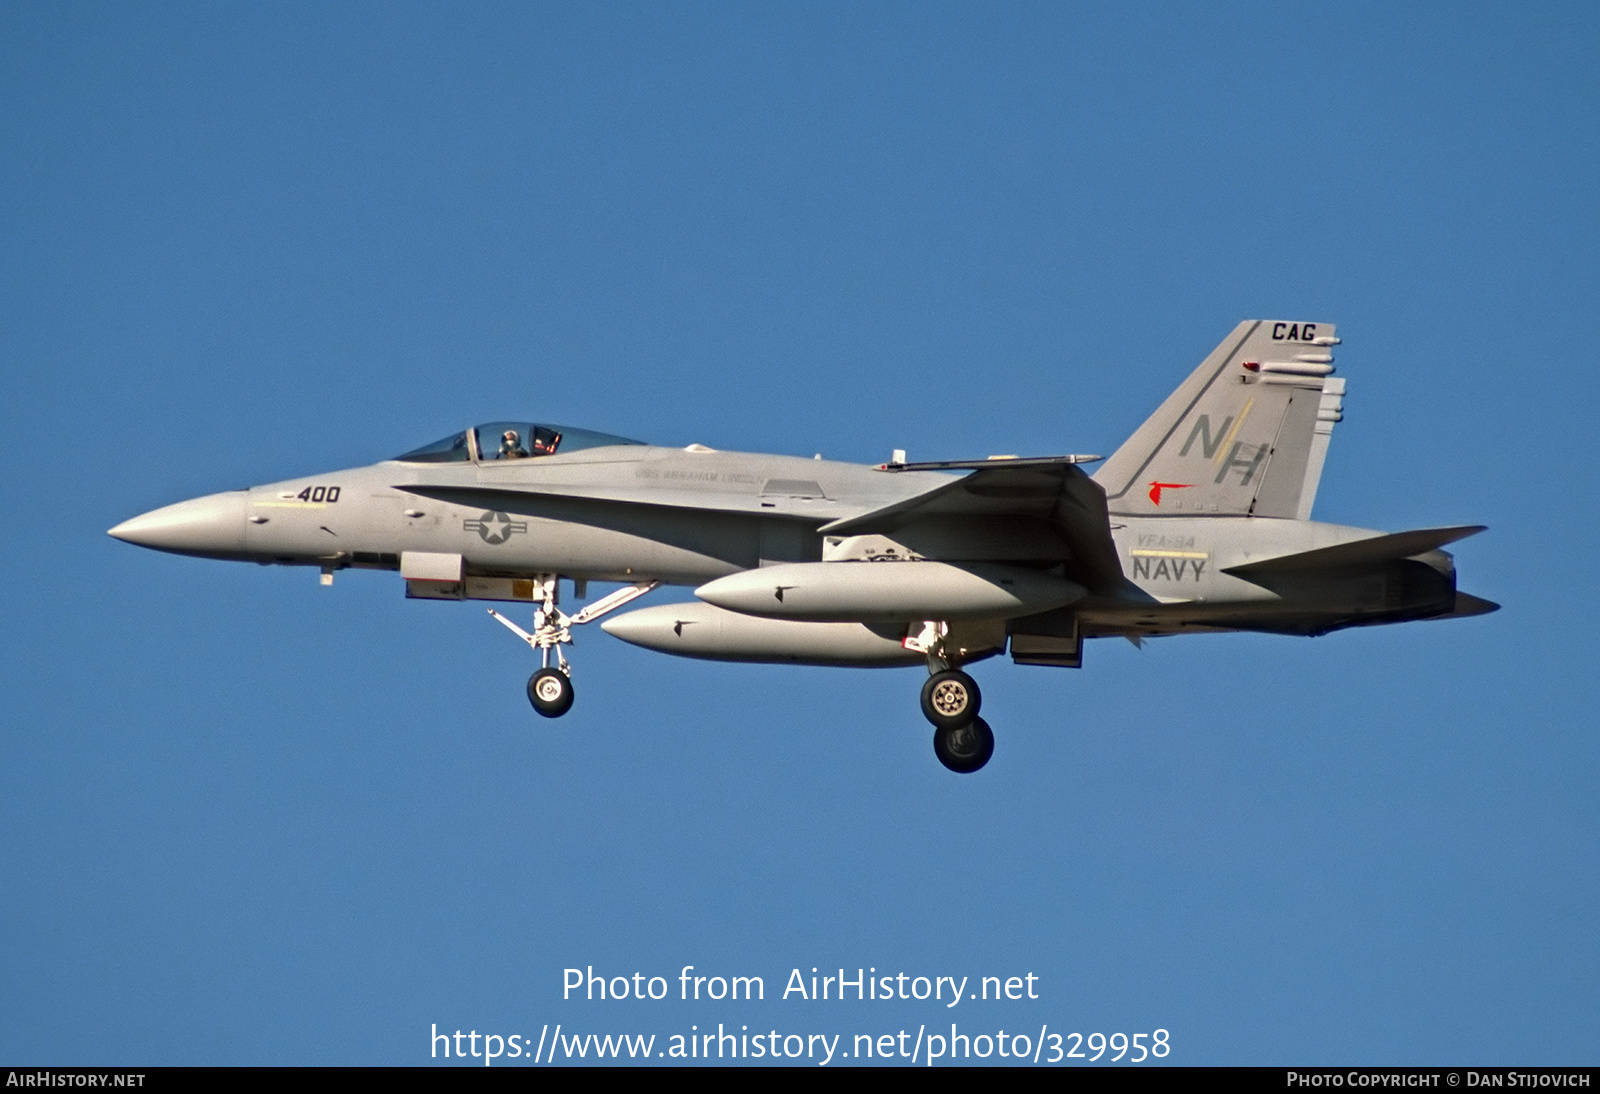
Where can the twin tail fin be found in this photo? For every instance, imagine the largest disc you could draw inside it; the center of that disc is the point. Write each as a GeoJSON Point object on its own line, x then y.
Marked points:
{"type": "Point", "coordinates": [1245, 435]}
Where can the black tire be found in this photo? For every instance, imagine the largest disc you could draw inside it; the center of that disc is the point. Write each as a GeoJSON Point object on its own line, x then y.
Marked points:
{"type": "Point", "coordinates": [950, 699]}
{"type": "Point", "coordinates": [964, 749]}
{"type": "Point", "coordinates": [550, 692]}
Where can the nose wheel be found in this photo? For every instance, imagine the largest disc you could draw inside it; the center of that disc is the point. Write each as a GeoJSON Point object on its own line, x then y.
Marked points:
{"type": "Point", "coordinates": [550, 689]}
{"type": "Point", "coordinates": [550, 692]}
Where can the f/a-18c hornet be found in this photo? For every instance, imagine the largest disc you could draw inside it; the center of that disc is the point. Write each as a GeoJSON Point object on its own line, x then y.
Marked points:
{"type": "Point", "coordinates": [1200, 522]}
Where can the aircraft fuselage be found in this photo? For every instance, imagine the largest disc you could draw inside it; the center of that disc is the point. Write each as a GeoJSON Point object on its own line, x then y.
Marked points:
{"type": "Point", "coordinates": [716, 514]}
{"type": "Point", "coordinates": [1198, 522]}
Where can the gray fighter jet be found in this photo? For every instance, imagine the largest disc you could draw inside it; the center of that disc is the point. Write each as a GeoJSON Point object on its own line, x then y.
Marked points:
{"type": "Point", "coordinates": [1199, 523]}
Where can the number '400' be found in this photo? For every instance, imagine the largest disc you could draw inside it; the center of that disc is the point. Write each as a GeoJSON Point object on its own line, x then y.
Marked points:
{"type": "Point", "coordinates": [319, 493]}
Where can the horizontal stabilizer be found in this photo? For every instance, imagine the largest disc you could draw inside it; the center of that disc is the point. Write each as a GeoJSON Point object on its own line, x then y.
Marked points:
{"type": "Point", "coordinates": [1467, 604]}
{"type": "Point", "coordinates": [1363, 552]}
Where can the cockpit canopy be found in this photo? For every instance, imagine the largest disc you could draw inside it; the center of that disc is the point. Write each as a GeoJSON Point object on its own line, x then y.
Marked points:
{"type": "Point", "coordinates": [510, 441]}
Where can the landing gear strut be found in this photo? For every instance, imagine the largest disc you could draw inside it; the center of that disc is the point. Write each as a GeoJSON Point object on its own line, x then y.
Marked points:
{"type": "Point", "coordinates": [950, 700]}
{"type": "Point", "coordinates": [550, 689]}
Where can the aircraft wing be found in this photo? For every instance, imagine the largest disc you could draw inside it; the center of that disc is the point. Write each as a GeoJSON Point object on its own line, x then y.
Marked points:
{"type": "Point", "coordinates": [1054, 491]}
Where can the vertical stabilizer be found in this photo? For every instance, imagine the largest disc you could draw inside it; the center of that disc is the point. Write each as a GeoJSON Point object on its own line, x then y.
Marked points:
{"type": "Point", "coordinates": [1330, 412]}
{"type": "Point", "coordinates": [1240, 436]}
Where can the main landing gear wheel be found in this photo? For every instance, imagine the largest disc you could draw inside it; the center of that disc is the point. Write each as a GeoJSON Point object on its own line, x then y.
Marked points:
{"type": "Point", "coordinates": [950, 699]}
{"type": "Point", "coordinates": [550, 692]}
{"type": "Point", "coordinates": [964, 748]}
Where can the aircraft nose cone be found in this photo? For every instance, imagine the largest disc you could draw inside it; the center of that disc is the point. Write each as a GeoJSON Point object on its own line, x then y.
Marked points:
{"type": "Point", "coordinates": [212, 526]}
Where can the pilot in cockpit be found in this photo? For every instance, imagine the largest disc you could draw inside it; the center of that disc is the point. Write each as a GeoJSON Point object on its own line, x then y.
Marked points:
{"type": "Point", "coordinates": [511, 446]}
{"type": "Point", "coordinates": [545, 441]}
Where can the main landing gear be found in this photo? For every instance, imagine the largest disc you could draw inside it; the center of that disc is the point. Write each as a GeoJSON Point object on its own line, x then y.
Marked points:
{"type": "Point", "coordinates": [964, 748]}
{"type": "Point", "coordinates": [550, 689]}
{"type": "Point", "coordinates": [950, 700]}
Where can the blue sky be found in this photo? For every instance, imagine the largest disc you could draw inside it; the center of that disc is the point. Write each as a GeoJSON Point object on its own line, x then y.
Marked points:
{"type": "Point", "coordinates": [246, 819]}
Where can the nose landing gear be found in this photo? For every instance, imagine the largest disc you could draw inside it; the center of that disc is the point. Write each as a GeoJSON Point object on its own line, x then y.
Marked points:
{"type": "Point", "coordinates": [550, 689]}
